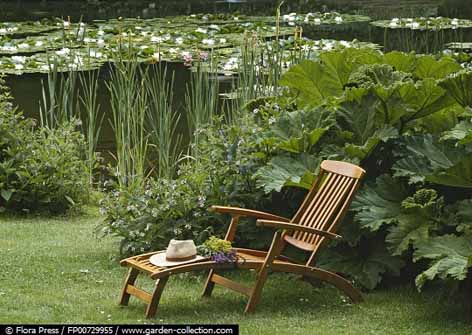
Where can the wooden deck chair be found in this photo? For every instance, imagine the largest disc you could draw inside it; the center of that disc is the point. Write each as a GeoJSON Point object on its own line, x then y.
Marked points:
{"type": "Point", "coordinates": [315, 221]}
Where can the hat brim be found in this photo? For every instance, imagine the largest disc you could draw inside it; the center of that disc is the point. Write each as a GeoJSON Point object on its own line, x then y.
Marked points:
{"type": "Point", "coordinates": [160, 260]}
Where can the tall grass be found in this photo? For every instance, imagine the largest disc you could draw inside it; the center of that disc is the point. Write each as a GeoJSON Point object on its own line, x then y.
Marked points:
{"type": "Point", "coordinates": [260, 68]}
{"type": "Point", "coordinates": [201, 100]}
{"type": "Point", "coordinates": [163, 120]}
{"type": "Point", "coordinates": [129, 105]}
{"type": "Point", "coordinates": [92, 121]}
{"type": "Point", "coordinates": [59, 101]}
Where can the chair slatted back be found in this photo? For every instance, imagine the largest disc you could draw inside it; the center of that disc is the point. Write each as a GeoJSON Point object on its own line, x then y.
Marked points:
{"type": "Point", "coordinates": [326, 203]}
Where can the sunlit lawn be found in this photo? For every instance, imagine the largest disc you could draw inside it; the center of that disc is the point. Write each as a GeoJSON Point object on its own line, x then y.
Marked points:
{"type": "Point", "coordinates": [57, 271]}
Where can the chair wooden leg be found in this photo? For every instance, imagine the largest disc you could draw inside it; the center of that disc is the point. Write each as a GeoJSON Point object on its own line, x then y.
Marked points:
{"type": "Point", "coordinates": [156, 296]}
{"type": "Point", "coordinates": [209, 285]}
{"type": "Point", "coordinates": [274, 251]}
{"type": "Point", "coordinates": [130, 279]}
{"type": "Point", "coordinates": [256, 292]}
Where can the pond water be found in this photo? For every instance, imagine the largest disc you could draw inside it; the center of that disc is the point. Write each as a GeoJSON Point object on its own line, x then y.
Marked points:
{"type": "Point", "coordinates": [26, 88]}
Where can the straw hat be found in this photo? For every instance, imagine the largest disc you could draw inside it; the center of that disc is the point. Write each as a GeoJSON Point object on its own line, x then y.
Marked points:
{"type": "Point", "coordinates": [177, 253]}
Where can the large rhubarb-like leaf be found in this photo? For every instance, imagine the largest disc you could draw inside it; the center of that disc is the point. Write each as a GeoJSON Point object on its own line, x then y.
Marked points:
{"type": "Point", "coordinates": [288, 171]}
{"type": "Point", "coordinates": [450, 256]}
{"type": "Point", "coordinates": [419, 216]}
{"type": "Point", "coordinates": [298, 131]}
{"type": "Point", "coordinates": [459, 86]}
{"type": "Point", "coordinates": [365, 267]}
{"type": "Point", "coordinates": [430, 67]}
{"type": "Point", "coordinates": [424, 159]}
{"type": "Point", "coordinates": [316, 81]}
{"type": "Point", "coordinates": [379, 204]}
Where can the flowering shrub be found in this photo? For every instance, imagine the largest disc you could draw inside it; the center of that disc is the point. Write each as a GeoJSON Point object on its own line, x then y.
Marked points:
{"type": "Point", "coordinates": [40, 169]}
{"type": "Point", "coordinates": [223, 174]}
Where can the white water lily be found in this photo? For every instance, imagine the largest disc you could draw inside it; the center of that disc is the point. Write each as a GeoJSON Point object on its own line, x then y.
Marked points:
{"type": "Point", "coordinates": [18, 59]}
{"type": "Point", "coordinates": [231, 64]}
{"type": "Point", "coordinates": [38, 43]}
{"type": "Point", "coordinates": [173, 50]}
{"type": "Point", "coordinates": [66, 24]}
{"type": "Point", "coordinates": [317, 20]}
{"type": "Point", "coordinates": [415, 25]}
{"type": "Point", "coordinates": [23, 46]}
{"type": "Point", "coordinates": [78, 60]}
{"type": "Point", "coordinates": [328, 46]}
{"type": "Point", "coordinates": [45, 67]}
{"type": "Point", "coordinates": [338, 19]}
{"type": "Point", "coordinates": [100, 33]}
{"type": "Point", "coordinates": [201, 30]}
{"type": "Point", "coordinates": [289, 17]}
{"type": "Point", "coordinates": [100, 42]}
{"type": "Point", "coordinates": [10, 48]}
{"type": "Point", "coordinates": [95, 54]}
{"type": "Point", "coordinates": [214, 26]}
{"type": "Point", "coordinates": [305, 47]}
{"type": "Point", "coordinates": [156, 39]}
{"type": "Point", "coordinates": [345, 44]}
{"type": "Point", "coordinates": [208, 41]}
{"type": "Point", "coordinates": [63, 52]}
{"type": "Point", "coordinates": [223, 40]}
{"type": "Point", "coordinates": [19, 67]}
{"type": "Point", "coordinates": [142, 47]}
{"type": "Point", "coordinates": [156, 56]}
{"type": "Point", "coordinates": [3, 31]}
{"type": "Point", "coordinates": [455, 22]}
{"type": "Point", "coordinates": [186, 54]}
{"type": "Point", "coordinates": [179, 40]}
{"type": "Point", "coordinates": [88, 40]}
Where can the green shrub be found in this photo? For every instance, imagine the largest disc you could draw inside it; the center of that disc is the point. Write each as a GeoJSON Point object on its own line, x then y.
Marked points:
{"type": "Point", "coordinates": [223, 175]}
{"type": "Point", "coordinates": [40, 169]}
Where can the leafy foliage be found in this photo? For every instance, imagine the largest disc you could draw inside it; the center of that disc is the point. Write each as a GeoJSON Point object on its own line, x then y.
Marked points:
{"type": "Point", "coordinates": [366, 266]}
{"type": "Point", "coordinates": [424, 159]}
{"type": "Point", "coordinates": [418, 218]}
{"type": "Point", "coordinates": [300, 130]}
{"type": "Point", "coordinates": [147, 219]}
{"type": "Point", "coordinates": [288, 171]}
{"type": "Point", "coordinates": [459, 86]}
{"type": "Point", "coordinates": [40, 169]}
{"type": "Point", "coordinates": [379, 204]}
{"type": "Point", "coordinates": [450, 257]}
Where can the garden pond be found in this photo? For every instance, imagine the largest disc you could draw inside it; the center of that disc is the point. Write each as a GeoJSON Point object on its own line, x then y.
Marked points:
{"type": "Point", "coordinates": [36, 38]}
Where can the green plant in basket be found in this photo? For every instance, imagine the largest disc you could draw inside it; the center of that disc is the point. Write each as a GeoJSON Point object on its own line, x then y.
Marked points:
{"type": "Point", "coordinates": [220, 251]}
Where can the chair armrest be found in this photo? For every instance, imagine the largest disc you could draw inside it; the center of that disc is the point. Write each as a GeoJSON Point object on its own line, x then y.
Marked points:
{"type": "Point", "coordinates": [247, 212]}
{"type": "Point", "coordinates": [294, 226]}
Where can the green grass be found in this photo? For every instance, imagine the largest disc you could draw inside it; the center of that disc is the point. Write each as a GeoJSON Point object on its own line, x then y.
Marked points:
{"type": "Point", "coordinates": [57, 271]}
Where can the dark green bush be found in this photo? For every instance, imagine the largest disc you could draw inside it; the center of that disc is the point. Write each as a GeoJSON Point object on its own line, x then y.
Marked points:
{"type": "Point", "coordinates": [41, 169]}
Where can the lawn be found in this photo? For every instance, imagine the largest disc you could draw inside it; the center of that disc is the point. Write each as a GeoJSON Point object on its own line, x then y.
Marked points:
{"type": "Point", "coordinates": [58, 271]}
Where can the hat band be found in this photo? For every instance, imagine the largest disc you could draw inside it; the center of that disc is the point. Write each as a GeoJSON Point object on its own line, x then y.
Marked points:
{"type": "Point", "coordinates": [179, 259]}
